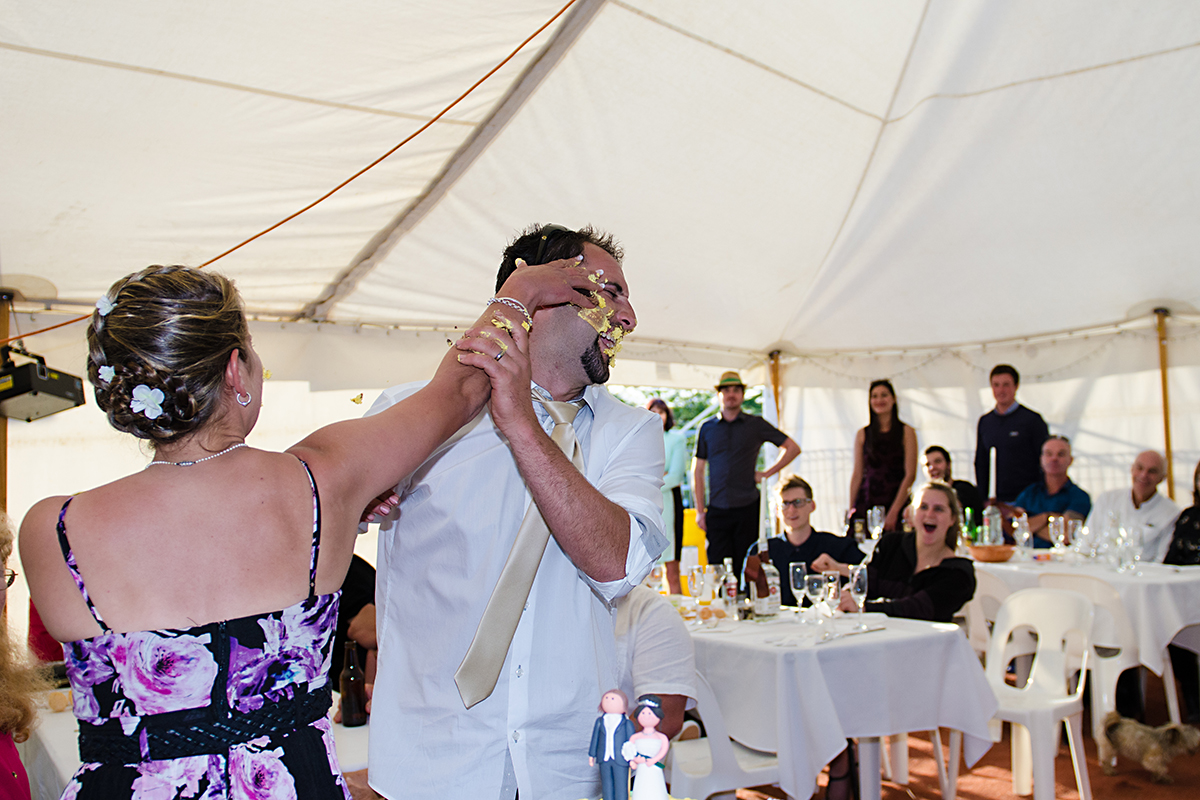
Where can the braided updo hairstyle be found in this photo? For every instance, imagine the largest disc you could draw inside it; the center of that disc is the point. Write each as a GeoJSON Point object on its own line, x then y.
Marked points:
{"type": "Point", "coordinates": [171, 329]}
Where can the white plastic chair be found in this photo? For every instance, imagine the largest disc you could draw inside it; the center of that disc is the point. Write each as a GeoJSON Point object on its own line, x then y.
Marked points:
{"type": "Point", "coordinates": [715, 763]}
{"type": "Point", "coordinates": [1114, 644]}
{"type": "Point", "coordinates": [1062, 622]}
{"type": "Point", "coordinates": [990, 593]}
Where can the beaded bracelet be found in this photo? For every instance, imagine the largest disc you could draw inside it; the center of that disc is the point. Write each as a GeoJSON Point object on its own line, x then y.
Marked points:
{"type": "Point", "coordinates": [516, 305]}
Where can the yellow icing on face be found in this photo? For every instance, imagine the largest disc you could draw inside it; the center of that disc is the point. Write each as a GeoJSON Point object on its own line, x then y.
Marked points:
{"type": "Point", "coordinates": [599, 317]}
{"type": "Point", "coordinates": [617, 334]}
{"type": "Point", "coordinates": [503, 323]}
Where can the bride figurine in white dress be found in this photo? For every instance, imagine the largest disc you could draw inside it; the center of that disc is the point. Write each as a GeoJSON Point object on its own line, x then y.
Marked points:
{"type": "Point", "coordinates": [645, 751]}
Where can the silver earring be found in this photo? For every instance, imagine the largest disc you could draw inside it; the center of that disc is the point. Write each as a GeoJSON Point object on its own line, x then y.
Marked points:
{"type": "Point", "coordinates": [242, 402]}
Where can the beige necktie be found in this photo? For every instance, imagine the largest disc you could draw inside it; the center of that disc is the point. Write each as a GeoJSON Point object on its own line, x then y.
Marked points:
{"type": "Point", "coordinates": [480, 668]}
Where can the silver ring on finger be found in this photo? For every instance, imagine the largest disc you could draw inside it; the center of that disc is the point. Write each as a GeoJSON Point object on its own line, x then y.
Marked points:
{"type": "Point", "coordinates": [500, 355]}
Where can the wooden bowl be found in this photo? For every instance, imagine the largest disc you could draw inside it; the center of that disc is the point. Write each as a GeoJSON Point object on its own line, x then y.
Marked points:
{"type": "Point", "coordinates": [991, 552]}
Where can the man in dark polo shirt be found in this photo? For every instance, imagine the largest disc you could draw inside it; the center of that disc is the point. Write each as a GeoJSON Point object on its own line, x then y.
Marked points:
{"type": "Point", "coordinates": [1017, 434]}
{"type": "Point", "coordinates": [728, 446]}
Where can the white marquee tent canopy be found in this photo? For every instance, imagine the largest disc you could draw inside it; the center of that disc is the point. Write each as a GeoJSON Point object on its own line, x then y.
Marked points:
{"type": "Point", "coordinates": [905, 188]}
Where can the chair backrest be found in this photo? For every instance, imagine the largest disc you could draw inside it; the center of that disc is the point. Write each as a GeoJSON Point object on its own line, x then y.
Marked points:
{"type": "Point", "coordinates": [990, 592]}
{"type": "Point", "coordinates": [1062, 620]}
{"type": "Point", "coordinates": [1112, 628]}
{"type": "Point", "coordinates": [721, 751]}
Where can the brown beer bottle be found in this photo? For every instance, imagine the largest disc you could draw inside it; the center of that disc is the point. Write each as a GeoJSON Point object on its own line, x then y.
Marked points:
{"type": "Point", "coordinates": [353, 688]}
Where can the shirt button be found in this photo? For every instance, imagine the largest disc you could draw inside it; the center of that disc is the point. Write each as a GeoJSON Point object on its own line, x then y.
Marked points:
{"type": "Point", "coordinates": [525, 607]}
{"type": "Point", "coordinates": [520, 672]}
{"type": "Point", "coordinates": [516, 736]}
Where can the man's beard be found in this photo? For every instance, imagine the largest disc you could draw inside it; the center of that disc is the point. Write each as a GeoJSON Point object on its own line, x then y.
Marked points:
{"type": "Point", "coordinates": [594, 364]}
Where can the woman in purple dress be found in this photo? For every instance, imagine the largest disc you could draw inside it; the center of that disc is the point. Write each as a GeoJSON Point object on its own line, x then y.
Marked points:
{"type": "Point", "coordinates": [197, 598]}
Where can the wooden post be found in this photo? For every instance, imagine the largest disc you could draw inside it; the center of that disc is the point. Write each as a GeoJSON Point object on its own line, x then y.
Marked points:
{"type": "Point", "coordinates": [1161, 315]}
{"type": "Point", "coordinates": [774, 356]}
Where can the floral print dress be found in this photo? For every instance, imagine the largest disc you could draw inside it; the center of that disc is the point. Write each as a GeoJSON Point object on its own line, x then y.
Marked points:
{"type": "Point", "coordinates": [231, 709]}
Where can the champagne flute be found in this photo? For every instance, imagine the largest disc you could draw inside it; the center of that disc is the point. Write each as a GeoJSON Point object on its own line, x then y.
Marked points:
{"type": "Point", "coordinates": [814, 589]}
{"type": "Point", "coordinates": [796, 574]}
{"type": "Point", "coordinates": [1058, 532]}
{"type": "Point", "coordinates": [1022, 534]}
{"type": "Point", "coordinates": [858, 590]}
{"type": "Point", "coordinates": [695, 581]}
{"type": "Point", "coordinates": [875, 518]}
{"type": "Point", "coordinates": [833, 589]}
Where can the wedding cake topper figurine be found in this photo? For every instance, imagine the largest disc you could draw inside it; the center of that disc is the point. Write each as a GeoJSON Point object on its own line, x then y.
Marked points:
{"type": "Point", "coordinates": [610, 734]}
{"type": "Point", "coordinates": [647, 749]}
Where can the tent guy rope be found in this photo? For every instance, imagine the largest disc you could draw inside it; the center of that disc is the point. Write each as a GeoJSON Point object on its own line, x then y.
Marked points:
{"type": "Point", "coordinates": [352, 178]}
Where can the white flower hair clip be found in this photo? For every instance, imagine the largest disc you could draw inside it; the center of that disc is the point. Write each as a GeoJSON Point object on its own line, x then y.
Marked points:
{"type": "Point", "coordinates": [147, 401]}
{"type": "Point", "coordinates": [104, 306]}
{"type": "Point", "coordinates": [106, 374]}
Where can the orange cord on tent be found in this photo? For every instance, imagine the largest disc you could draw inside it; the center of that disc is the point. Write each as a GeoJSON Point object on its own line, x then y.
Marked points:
{"type": "Point", "coordinates": [353, 177]}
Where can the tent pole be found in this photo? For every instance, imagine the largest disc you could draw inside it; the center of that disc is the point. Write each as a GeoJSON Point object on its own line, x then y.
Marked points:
{"type": "Point", "coordinates": [774, 356]}
{"type": "Point", "coordinates": [1161, 317]}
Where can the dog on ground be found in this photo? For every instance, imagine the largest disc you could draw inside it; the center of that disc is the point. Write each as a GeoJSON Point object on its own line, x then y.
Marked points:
{"type": "Point", "coordinates": [1153, 748]}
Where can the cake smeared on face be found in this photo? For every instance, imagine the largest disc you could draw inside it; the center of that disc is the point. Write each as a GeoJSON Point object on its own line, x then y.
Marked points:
{"type": "Point", "coordinates": [600, 318]}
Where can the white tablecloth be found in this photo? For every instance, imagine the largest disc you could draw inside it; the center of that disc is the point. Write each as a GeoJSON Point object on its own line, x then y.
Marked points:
{"type": "Point", "coordinates": [1160, 602]}
{"type": "Point", "coordinates": [804, 700]}
{"type": "Point", "coordinates": [51, 755]}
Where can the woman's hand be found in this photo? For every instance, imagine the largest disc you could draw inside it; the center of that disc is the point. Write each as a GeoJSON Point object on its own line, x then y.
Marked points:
{"type": "Point", "coordinates": [847, 603]}
{"type": "Point", "coordinates": [501, 349]}
{"type": "Point", "coordinates": [889, 522]}
{"type": "Point", "coordinates": [552, 284]}
{"type": "Point", "coordinates": [825, 563]}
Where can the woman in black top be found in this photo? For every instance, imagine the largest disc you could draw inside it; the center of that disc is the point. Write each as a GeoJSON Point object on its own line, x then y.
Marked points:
{"type": "Point", "coordinates": [885, 459]}
{"type": "Point", "coordinates": [916, 575]}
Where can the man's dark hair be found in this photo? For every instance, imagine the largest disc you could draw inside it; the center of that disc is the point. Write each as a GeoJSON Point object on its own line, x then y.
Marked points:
{"type": "Point", "coordinates": [937, 448]}
{"type": "Point", "coordinates": [539, 244]}
{"type": "Point", "coordinates": [793, 481]}
{"type": "Point", "coordinates": [1006, 369]}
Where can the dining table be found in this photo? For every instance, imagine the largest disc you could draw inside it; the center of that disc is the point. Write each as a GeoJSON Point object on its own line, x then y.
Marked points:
{"type": "Point", "coordinates": [791, 687]}
{"type": "Point", "coordinates": [1162, 600]}
{"type": "Point", "coordinates": [51, 754]}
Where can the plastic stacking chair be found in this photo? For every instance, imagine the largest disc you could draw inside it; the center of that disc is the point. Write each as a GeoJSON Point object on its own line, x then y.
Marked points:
{"type": "Point", "coordinates": [715, 763]}
{"type": "Point", "coordinates": [1062, 622]}
{"type": "Point", "coordinates": [1114, 644]}
{"type": "Point", "coordinates": [990, 593]}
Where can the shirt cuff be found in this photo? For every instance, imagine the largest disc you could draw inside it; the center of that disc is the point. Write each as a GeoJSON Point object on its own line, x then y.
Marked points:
{"type": "Point", "coordinates": [646, 544]}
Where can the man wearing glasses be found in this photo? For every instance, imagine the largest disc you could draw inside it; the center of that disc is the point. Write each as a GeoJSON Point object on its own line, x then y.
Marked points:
{"type": "Point", "coordinates": [800, 543]}
{"type": "Point", "coordinates": [442, 565]}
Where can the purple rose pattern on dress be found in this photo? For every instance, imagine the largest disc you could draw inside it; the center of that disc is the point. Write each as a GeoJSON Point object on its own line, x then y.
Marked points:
{"type": "Point", "coordinates": [260, 775]}
{"type": "Point", "coordinates": [163, 672]}
{"type": "Point", "coordinates": [293, 651]}
{"type": "Point", "coordinates": [176, 778]}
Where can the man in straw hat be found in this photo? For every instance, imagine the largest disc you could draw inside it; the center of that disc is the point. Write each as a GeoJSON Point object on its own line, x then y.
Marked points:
{"type": "Point", "coordinates": [728, 446]}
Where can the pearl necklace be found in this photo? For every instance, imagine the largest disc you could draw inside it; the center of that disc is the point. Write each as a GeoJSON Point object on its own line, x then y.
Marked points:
{"type": "Point", "coordinates": [198, 460]}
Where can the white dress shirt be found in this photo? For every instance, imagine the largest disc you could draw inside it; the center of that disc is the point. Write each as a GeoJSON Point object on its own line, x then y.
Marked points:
{"type": "Point", "coordinates": [654, 648]}
{"type": "Point", "coordinates": [458, 517]}
{"type": "Point", "coordinates": [1156, 517]}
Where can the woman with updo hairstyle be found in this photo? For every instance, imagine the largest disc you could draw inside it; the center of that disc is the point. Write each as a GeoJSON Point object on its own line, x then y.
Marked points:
{"type": "Point", "coordinates": [197, 598]}
{"type": "Point", "coordinates": [646, 750]}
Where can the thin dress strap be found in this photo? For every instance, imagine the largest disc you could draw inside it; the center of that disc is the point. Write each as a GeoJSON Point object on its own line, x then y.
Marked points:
{"type": "Point", "coordinates": [69, 557]}
{"type": "Point", "coordinates": [316, 535]}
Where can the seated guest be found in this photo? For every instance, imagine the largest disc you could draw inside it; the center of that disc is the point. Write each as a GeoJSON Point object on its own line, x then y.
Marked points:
{"type": "Point", "coordinates": [655, 656]}
{"type": "Point", "coordinates": [917, 575]}
{"type": "Point", "coordinates": [1054, 494]}
{"type": "Point", "coordinates": [800, 543]}
{"type": "Point", "coordinates": [937, 467]}
{"type": "Point", "coordinates": [1142, 507]}
{"type": "Point", "coordinates": [914, 575]}
{"type": "Point", "coordinates": [1184, 550]}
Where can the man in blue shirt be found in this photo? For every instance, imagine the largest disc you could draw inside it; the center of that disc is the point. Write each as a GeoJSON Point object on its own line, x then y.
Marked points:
{"type": "Point", "coordinates": [1016, 433]}
{"type": "Point", "coordinates": [1055, 494]}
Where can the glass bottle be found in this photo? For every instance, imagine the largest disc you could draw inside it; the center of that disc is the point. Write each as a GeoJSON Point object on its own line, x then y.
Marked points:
{"type": "Point", "coordinates": [353, 685]}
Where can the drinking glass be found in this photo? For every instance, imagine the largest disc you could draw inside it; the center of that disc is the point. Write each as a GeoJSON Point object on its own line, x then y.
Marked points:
{"type": "Point", "coordinates": [696, 581]}
{"type": "Point", "coordinates": [858, 590]}
{"type": "Point", "coordinates": [875, 518]}
{"type": "Point", "coordinates": [1058, 531]}
{"type": "Point", "coordinates": [1074, 530]}
{"type": "Point", "coordinates": [833, 588]}
{"type": "Point", "coordinates": [796, 574]}
{"type": "Point", "coordinates": [1022, 534]}
{"type": "Point", "coordinates": [814, 588]}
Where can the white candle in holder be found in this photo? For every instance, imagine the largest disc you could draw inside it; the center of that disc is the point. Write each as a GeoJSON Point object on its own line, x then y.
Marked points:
{"type": "Point", "coordinates": [991, 472]}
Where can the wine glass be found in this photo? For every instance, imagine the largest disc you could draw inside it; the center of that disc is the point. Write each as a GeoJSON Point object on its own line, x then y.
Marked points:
{"type": "Point", "coordinates": [875, 518]}
{"type": "Point", "coordinates": [858, 590]}
{"type": "Point", "coordinates": [833, 589]}
{"type": "Point", "coordinates": [1022, 534]}
{"type": "Point", "coordinates": [814, 589]}
{"type": "Point", "coordinates": [1058, 532]}
{"type": "Point", "coordinates": [696, 582]}
{"type": "Point", "coordinates": [796, 574]}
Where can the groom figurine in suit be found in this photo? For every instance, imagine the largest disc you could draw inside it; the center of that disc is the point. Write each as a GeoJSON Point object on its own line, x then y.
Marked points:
{"type": "Point", "coordinates": [611, 731]}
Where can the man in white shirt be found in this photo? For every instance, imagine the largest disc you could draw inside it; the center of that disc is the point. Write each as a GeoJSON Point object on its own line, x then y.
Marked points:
{"type": "Point", "coordinates": [1142, 507]}
{"type": "Point", "coordinates": [655, 655]}
{"type": "Point", "coordinates": [459, 515]}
